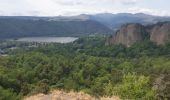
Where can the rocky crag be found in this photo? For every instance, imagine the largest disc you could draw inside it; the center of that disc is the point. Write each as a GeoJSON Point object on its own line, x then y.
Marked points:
{"type": "Point", "coordinates": [132, 33]}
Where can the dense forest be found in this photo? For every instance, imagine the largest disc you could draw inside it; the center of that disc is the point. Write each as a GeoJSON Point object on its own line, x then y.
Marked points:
{"type": "Point", "coordinates": [140, 72]}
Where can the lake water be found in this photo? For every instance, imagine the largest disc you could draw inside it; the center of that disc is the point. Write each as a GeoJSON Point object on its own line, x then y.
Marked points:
{"type": "Point", "coordinates": [48, 39]}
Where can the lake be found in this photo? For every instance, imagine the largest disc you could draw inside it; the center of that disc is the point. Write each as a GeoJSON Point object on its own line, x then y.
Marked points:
{"type": "Point", "coordinates": [48, 39]}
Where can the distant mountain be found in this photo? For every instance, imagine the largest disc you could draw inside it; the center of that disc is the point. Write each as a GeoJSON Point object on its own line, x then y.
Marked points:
{"type": "Point", "coordinates": [11, 27]}
{"type": "Point", "coordinates": [110, 20]}
{"type": "Point", "coordinates": [114, 21]}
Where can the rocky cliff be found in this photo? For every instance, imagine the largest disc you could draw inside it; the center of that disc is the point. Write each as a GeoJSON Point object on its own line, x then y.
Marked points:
{"type": "Point", "coordinates": [131, 33]}
{"type": "Point", "coordinates": [160, 34]}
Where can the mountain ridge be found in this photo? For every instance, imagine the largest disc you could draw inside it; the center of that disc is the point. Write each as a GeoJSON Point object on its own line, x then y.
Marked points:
{"type": "Point", "coordinates": [113, 21]}
{"type": "Point", "coordinates": [14, 28]}
{"type": "Point", "coordinates": [83, 24]}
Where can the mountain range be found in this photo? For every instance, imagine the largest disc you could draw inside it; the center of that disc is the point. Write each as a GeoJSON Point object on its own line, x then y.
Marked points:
{"type": "Point", "coordinates": [114, 21]}
{"type": "Point", "coordinates": [84, 24]}
{"type": "Point", "coordinates": [23, 27]}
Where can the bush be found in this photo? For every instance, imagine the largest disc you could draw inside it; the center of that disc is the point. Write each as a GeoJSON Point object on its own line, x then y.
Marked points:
{"type": "Point", "coordinates": [135, 87]}
{"type": "Point", "coordinates": [6, 94]}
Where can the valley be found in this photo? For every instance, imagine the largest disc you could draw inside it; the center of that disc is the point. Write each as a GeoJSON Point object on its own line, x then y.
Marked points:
{"type": "Point", "coordinates": [86, 65]}
{"type": "Point", "coordinates": [84, 50]}
{"type": "Point", "coordinates": [67, 58]}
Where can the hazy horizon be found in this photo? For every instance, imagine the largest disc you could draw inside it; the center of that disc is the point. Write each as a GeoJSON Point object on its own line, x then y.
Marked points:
{"type": "Point", "coordinates": [80, 14]}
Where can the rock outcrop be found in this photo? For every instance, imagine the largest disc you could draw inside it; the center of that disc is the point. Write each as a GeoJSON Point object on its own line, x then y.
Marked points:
{"type": "Point", "coordinates": [132, 33]}
{"type": "Point", "coordinates": [129, 34]}
{"type": "Point", "coordinates": [160, 34]}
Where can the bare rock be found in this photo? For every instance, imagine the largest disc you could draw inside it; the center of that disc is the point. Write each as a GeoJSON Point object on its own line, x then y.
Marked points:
{"type": "Point", "coordinates": [160, 34]}
{"type": "Point", "coordinates": [129, 34]}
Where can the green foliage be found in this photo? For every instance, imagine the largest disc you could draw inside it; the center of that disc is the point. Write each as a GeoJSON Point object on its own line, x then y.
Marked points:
{"type": "Point", "coordinates": [42, 87]}
{"type": "Point", "coordinates": [108, 89]}
{"type": "Point", "coordinates": [135, 87]}
{"type": "Point", "coordinates": [7, 94]}
{"type": "Point", "coordinates": [86, 65]}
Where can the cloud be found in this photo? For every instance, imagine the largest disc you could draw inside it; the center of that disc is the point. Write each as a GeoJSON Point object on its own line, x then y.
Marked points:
{"type": "Point", "coordinates": [68, 2]}
{"type": "Point", "coordinates": [148, 11]}
{"type": "Point", "coordinates": [92, 2]}
{"type": "Point", "coordinates": [130, 2]}
{"type": "Point", "coordinates": [74, 7]}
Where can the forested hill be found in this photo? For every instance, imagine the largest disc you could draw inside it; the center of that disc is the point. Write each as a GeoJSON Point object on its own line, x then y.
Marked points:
{"type": "Point", "coordinates": [13, 27]}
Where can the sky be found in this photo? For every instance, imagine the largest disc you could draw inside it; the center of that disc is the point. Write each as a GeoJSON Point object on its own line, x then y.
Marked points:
{"type": "Point", "coordinates": [75, 7]}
